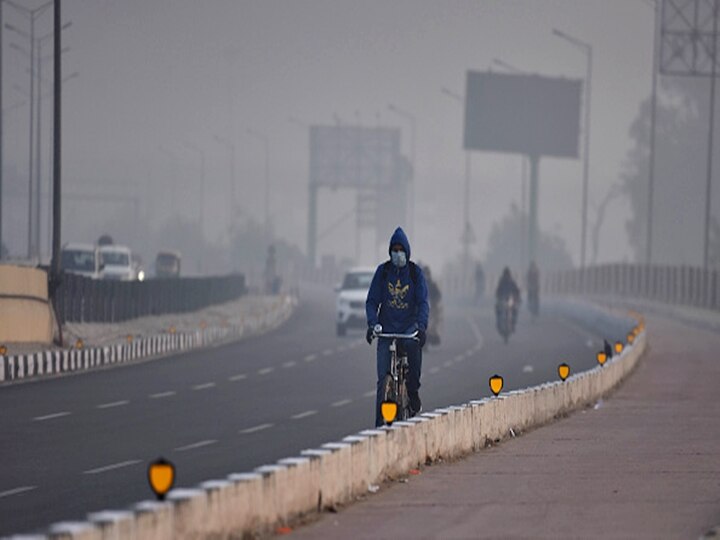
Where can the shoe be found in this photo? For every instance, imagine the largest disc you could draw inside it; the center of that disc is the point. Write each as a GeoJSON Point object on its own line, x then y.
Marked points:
{"type": "Point", "coordinates": [415, 404]}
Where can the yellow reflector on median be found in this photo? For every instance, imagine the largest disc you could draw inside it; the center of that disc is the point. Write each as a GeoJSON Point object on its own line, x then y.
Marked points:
{"type": "Point", "coordinates": [389, 409]}
{"type": "Point", "coordinates": [172, 330]}
{"type": "Point", "coordinates": [630, 338]}
{"type": "Point", "coordinates": [563, 371]}
{"type": "Point", "coordinates": [618, 347]}
{"type": "Point", "coordinates": [161, 476]}
{"type": "Point", "coordinates": [3, 350]}
{"type": "Point", "coordinates": [601, 358]}
{"type": "Point", "coordinates": [79, 344]}
{"type": "Point", "coordinates": [129, 338]}
{"type": "Point", "coordinates": [496, 384]}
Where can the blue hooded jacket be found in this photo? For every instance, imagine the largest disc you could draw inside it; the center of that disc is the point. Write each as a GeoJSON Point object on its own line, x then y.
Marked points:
{"type": "Point", "coordinates": [396, 302]}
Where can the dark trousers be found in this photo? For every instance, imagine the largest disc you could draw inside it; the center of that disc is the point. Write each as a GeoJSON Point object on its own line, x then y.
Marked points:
{"type": "Point", "coordinates": [414, 354]}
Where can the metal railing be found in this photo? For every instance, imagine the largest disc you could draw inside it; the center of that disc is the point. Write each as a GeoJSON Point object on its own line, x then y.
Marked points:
{"type": "Point", "coordinates": [685, 285]}
{"type": "Point", "coordinates": [81, 299]}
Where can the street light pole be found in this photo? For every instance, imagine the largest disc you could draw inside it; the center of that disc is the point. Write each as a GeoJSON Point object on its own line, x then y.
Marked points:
{"type": "Point", "coordinates": [266, 142]}
{"type": "Point", "coordinates": [411, 118]}
{"type": "Point", "coordinates": [587, 48]}
{"type": "Point", "coordinates": [467, 236]}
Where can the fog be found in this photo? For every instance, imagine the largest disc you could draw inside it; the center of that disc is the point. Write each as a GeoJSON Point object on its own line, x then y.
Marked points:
{"type": "Point", "coordinates": [164, 85]}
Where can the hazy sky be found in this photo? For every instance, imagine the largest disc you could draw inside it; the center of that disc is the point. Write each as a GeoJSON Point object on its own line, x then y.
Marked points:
{"type": "Point", "coordinates": [173, 73]}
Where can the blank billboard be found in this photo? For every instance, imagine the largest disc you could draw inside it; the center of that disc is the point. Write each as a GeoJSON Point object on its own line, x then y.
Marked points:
{"type": "Point", "coordinates": [354, 156]}
{"type": "Point", "coordinates": [522, 114]}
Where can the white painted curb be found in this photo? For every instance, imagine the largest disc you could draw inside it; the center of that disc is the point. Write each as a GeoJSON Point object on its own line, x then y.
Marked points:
{"type": "Point", "coordinates": [338, 472]}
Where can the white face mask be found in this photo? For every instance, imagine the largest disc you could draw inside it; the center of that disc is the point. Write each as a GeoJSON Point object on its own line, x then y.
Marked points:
{"type": "Point", "coordinates": [398, 258]}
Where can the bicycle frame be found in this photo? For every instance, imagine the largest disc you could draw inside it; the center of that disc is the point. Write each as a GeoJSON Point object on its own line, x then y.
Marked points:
{"type": "Point", "coordinates": [395, 404]}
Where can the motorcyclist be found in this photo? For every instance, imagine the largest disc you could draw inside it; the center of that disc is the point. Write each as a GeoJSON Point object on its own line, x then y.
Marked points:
{"type": "Point", "coordinates": [507, 288]}
{"type": "Point", "coordinates": [533, 288]}
{"type": "Point", "coordinates": [398, 301]}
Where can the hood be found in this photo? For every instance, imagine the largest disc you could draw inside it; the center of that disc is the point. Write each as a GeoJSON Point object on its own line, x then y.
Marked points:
{"type": "Point", "coordinates": [399, 237]}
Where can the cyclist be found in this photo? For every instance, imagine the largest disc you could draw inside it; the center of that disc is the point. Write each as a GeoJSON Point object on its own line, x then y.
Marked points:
{"type": "Point", "coordinates": [398, 301]}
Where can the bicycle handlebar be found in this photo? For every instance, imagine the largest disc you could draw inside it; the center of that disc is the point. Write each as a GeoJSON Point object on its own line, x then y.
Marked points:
{"type": "Point", "coordinates": [399, 336]}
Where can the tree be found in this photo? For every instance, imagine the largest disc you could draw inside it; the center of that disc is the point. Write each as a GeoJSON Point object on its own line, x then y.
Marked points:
{"type": "Point", "coordinates": [681, 127]}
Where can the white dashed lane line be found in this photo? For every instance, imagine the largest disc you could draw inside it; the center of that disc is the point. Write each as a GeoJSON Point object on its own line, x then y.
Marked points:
{"type": "Point", "coordinates": [112, 467]}
{"type": "Point", "coordinates": [528, 369]}
{"type": "Point", "coordinates": [327, 352]}
{"type": "Point", "coordinates": [238, 377]}
{"type": "Point", "coordinates": [289, 364]}
{"type": "Point", "coordinates": [265, 371]}
{"type": "Point", "coordinates": [370, 393]}
{"type": "Point", "coordinates": [434, 370]}
{"type": "Point", "coordinates": [311, 357]}
{"type": "Point", "coordinates": [303, 415]}
{"type": "Point", "coordinates": [16, 491]}
{"type": "Point", "coordinates": [161, 395]}
{"type": "Point", "coordinates": [341, 403]}
{"type": "Point", "coordinates": [193, 446]}
{"type": "Point", "coordinates": [51, 416]}
{"type": "Point", "coordinates": [255, 429]}
{"type": "Point", "coordinates": [113, 404]}
{"type": "Point", "coordinates": [447, 363]}
{"type": "Point", "coordinates": [204, 386]}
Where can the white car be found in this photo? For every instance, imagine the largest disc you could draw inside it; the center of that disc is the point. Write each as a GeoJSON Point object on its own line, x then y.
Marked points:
{"type": "Point", "coordinates": [81, 259]}
{"type": "Point", "coordinates": [352, 294]}
{"type": "Point", "coordinates": [116, 263]}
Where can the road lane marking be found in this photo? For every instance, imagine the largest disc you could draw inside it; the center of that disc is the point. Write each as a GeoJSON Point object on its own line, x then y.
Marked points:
{"type": "Point", "coordinates": [447, 363]}
{"type": "Point", "coordinates": [255, 429]}
{"type": "Point", "coordinates": [341, 402]}
{"type": "Point", "coordinates": [51, 416]}
{"type": "Point", "coordinates": [370, 393]}
{"type": "Point", "coordinates": [238, 377]}
{"type": "Point", "coordinates": [289, 364]}
{"type": "Point", "coordinates": [161, 395]}
{"type": "Point", "coordinates": [303, 415]}
{"type": "Point", "coordinates": [434, 369]}
{"type": "Point", "coordinates": [311, 357]}
{"type": "Point", "coordinates": [476, 330]}
{"type": "Point", "coordinates": [327, 352]}
{"type": "Point", "coordinates": [112, 467]}
{"type": "Point", "coordinates": [528, 369]}
{"type": "Point", "coordinates": [265, 371]}
{"type": "Point", "coordinates": [193, 446]}
{"type": "Point", "coordinates": [204, 386]}
{"type": "Point", "coordinates": [16, 491]}
{"type": "Point", "coordinates": [113, 404]}
{"type": "Point", "coordinates": [459, 357]}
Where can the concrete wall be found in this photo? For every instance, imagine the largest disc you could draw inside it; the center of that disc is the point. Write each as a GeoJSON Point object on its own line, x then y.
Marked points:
{"type": "Point", "coordinates": [338, 472]}
{"type": "Point", "coordinates": [25, 314]}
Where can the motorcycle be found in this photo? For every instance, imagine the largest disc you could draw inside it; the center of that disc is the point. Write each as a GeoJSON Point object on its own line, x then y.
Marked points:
{"type": "Point", "coordinates": [505, 313]}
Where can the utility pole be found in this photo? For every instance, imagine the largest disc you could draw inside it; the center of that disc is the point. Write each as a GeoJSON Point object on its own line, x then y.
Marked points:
{"type": "Point", "coordinates": [651, 164]}
{"type": "Point", "coordinates": [57, 155]}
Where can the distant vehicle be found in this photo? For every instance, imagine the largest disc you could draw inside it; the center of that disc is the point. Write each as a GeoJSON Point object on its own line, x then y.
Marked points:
{"type": "Point", "coordinates": [81, 259]}
{"type": "Point", "coordinates": [352, 294]}
{"type": "Point", "coordinates": [116, 263]}
{"type": "Point", "coordinates": [167, 264]}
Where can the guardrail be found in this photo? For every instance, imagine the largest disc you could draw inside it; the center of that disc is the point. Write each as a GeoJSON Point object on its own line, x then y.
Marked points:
{"type": "Point", "coordinates": [81, 299]}
{"type": "Point", "coordinates": [685, 285]}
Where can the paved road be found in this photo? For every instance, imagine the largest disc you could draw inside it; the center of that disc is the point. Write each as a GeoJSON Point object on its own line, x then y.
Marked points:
{"type": "Point", "coordinates": [644, 465]}
{"type": "Point", "coordinates": [78, 444]}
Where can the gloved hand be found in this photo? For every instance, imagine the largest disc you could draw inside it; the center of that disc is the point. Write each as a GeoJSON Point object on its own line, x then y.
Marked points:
{"type": "Point", "coordinates": [421, 338]}
{"type": "Point", "coordinates": [369, 336]}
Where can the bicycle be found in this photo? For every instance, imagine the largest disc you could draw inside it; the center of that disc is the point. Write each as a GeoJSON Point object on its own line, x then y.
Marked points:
{"type": "Point", "coordinates": [395, 404]}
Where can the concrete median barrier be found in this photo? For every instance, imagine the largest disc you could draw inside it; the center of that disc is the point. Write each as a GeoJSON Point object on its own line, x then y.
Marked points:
{"type": "Point", "coordinates": [25, 313]}
{"type": "Point", "coordinates": [339, 472]}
